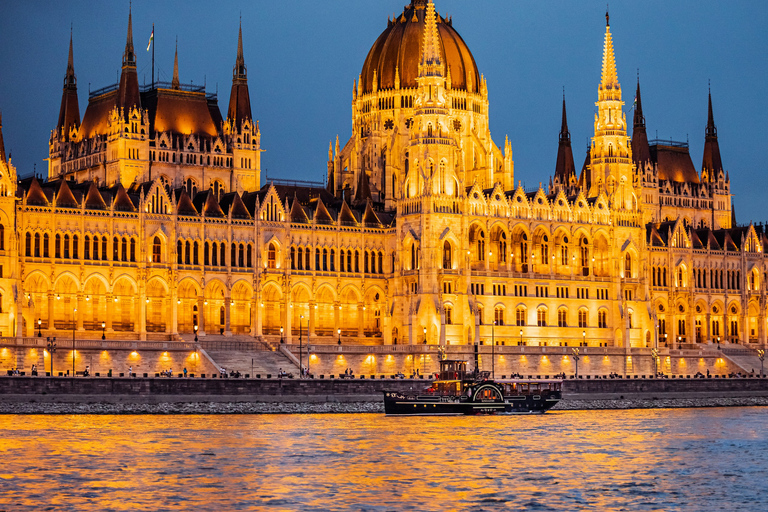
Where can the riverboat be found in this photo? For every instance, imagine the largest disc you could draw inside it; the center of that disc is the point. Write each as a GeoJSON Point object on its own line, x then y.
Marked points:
{"type": "Point", "coordinates": [457, 391]}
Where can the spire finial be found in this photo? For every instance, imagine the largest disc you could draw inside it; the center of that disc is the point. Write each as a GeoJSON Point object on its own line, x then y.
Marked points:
{"type": "Point", "coordinates": [129, 57]}
{"type": "Point", "coordinates": [609, 78]}
{"type": "Point", "coordinates": [175, 81]}
{"type": "Point", "coordinates": [711, 129]}
{"type": "Point", "coordinates": [431, 62]}
{"type": "Point", "coordinates": [70, 77]}
{"type": "Point", "coordinates": [565, 135]}
{"type": "Point", "coordinates": [240, 70]}
{"type": "Point", "coordinates": [607, 17]}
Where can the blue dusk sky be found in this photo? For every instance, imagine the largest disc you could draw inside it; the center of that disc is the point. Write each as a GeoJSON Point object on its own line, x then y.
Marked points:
{"type": "Point", "coordinates": [303, 55]}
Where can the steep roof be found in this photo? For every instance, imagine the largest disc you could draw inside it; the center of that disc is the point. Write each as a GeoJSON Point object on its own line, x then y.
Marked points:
{"type": "Point", "coordinates": [94, 200]}
{"type": "Point", "coordinates": [564, 166]}
{"type": "Point", "coordinates": [239, 97]}
{"type": "Point", "coordinates": [185, 206]}
{"type": "Point", "coordinates": [65, 198]}
{"type": "Point", "coordinates": [674, 162]}
{"type": "Point", "coordinates": [122, 202]}
{"type": "Point", "coordinates": [711, 161]}
{"type": "Point", "coordinates": [641, 152]}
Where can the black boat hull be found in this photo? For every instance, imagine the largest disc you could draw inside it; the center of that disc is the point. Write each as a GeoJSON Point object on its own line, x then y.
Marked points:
{"type": "Point", "coordinates": [396, 403]}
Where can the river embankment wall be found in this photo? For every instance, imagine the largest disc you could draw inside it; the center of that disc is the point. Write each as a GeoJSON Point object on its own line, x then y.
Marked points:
{"type": "Point", "coordinates": [155, 390]}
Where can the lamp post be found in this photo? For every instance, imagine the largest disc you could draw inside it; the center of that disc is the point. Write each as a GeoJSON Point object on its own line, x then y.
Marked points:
{"type": "Point", "coordinates": [194, 328]}
{"type": "Point", "coordinates": [338, 331]}
{"type": "Point", "coordinates": [39, 326]}
{"type": "Point", "coordinates": [718, 343]}
{"type": "Point", "coordinates": [74, 327]}
{"type": "Point", "coordinates": [665, 339]}
{"type": "Point", "coordinates": [575, 357]}
{"type": "Point", "coordinates": [423, 354]}
{"type": "Point", "coordinates": [679, 341]}
{"type": "Point", "coordinates": [655, 354]}
{"type": "Point", "coordinates": [584, 338]}
{"type": "Point", "coordinates": [521, 336]}
{"type": "Point", "coordinates": [51, 349]}
{"type": "Point", "coordinates": [281, 335]}
{"type": "Point", "coordinates": [103, 326]}
{"type": "Point", "coordinates": [761, 355]}
{"type": "Point", "coordinates": [493, 349]}
{"type": "Point", "coordinates": [301, 354]}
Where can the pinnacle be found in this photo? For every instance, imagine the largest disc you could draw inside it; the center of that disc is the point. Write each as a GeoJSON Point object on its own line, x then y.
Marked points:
{"type": "Point", "coordinates": [430, 53]}
{"type": "Point", "coordinates": [175, 81]}
{"type": "Point", "coordinates": [129, 57]}
{"type": "Point", "coordinates": [240, 70]}
{"type": "Point", "coordinates": [609, 77]}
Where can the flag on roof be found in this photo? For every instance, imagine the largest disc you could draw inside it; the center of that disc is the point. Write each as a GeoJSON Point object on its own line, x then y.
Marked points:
{"type": "Point", "coordinates": [151, 37]}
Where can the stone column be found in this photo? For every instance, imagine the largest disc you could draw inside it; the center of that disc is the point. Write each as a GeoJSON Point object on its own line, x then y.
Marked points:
{"type": "Point", "coordinates": [287, 317]}
{"type": "Point", "coordinates": [336, 319]}
{"type": "Point", "coordinates": [174, 326]}
{"type": "Point", "coordinates": [709, 328]}
{"type": "Point", "coordinates": [254, 316]}
{"type": "Point", "coordinates": [51, 303]}
{"type": "Point", "coordinates": [142, 327]}
{"type": "Point", "coordinates": [227, 316]}
{"type": "Point", "coordinates": [200, 316]}
{"type": "Point", "coordinates": [312, 316]}
{"type": "Point", "coordinates": [360, 320]}
{"type": "Point", "coordinates": [80, 312]}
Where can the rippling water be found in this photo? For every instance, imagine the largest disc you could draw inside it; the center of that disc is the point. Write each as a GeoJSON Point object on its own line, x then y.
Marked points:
{"type": "Point", "coordinates": [676, 459]}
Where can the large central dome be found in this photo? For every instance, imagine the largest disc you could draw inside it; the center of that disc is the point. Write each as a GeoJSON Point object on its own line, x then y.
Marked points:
{"type": "Point", "coordinates": [399, 46]}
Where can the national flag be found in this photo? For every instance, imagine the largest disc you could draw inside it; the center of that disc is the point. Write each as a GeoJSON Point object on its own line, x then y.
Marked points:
{"type": "Point", "coordinates": [151, 37]}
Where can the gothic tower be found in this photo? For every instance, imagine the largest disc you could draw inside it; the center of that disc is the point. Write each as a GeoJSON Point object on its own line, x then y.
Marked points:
{"type": "Point", "coordinates": [611, 152]}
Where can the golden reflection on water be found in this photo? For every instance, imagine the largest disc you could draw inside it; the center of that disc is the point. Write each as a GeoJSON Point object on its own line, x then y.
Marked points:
{"type": "Point", "coordinates": [688, 459]}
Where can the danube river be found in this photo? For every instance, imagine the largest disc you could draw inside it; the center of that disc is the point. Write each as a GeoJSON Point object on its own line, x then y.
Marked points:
{"type": "Point", "coordinates": [663, 459]}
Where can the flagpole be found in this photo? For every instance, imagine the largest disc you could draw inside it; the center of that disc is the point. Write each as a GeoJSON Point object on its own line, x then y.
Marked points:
{"type": "Point", "coordinates": [153, 56]}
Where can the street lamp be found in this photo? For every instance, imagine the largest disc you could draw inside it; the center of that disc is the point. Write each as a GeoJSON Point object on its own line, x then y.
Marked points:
{"type": "Point", "coordinates": [761, 355]}
{"type": "Point", "coordinates": [301, 364]}
{"type": "Point", "coordinates": [74, 326]}
{"type": "Point", "coordinates": [665, 339]}
{"type": "Point", "coordinates": [338, 331]}
{"type": "Point", "coordinates": [51, 349]}
{"type": "Point", "coordinates": [575, 357]}
{"type": "Point", "coordinates": [39, 325]}
{"type": "Point", "coordinates": [655, 354]}
{"type": "Point", "coordinates": [425, 335]}
{"type": "Point", "coordinates": [103, 326]}
{"type": "Point", "coordinates": [281, 335]}
{"type": "Point", "coordinates": [194, 328]}
{"type": "Point", "coordinates": [493, 349]}
{"type": "Point", "coordinates": [718, 343]}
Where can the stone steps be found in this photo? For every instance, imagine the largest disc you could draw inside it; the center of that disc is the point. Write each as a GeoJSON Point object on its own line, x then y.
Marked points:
{"type": "Point", "coordinates": [264, 362]}
{"type": "Point", "coordinates": [747, 362]}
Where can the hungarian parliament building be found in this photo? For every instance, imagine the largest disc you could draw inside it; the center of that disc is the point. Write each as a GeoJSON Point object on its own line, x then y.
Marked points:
{"type": "Point", "coordinates": [153, 222]}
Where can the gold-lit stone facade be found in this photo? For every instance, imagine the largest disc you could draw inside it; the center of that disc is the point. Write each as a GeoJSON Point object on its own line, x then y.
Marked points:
{"type": "Point", "coordinates": [152, 221]}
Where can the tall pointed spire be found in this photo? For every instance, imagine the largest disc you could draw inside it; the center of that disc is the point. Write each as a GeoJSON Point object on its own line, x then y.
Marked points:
{"type": "Point", "coordinates": [565, 169]}
{"type": "Point", "coordinates": [175, 80]}
{"type": "Point", "coordinates": [69, 112]}
{"type": "Point", "coordinates": [565, 135]}
{"type": "Point", "coordinates": [431, 63]}
{"type": "Point", "coordinates": [70, 77]}
{"type": "Point", "coordinates": [711, 162]}
{"type": "Point", "coordinates": [240, 70]}
{"type": "Point", "coordinates": [239, 98]}
{"type": "Point", "coordinates": [609, 77]}
{"type": "Point", "coordinates": [711, 128]}
{"type": "Point", "coordinates": [128, 90]}
{"type": "Point", "coordinates": [129, 56]}
{"type": "Point", "coordinates": [641, 151]}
